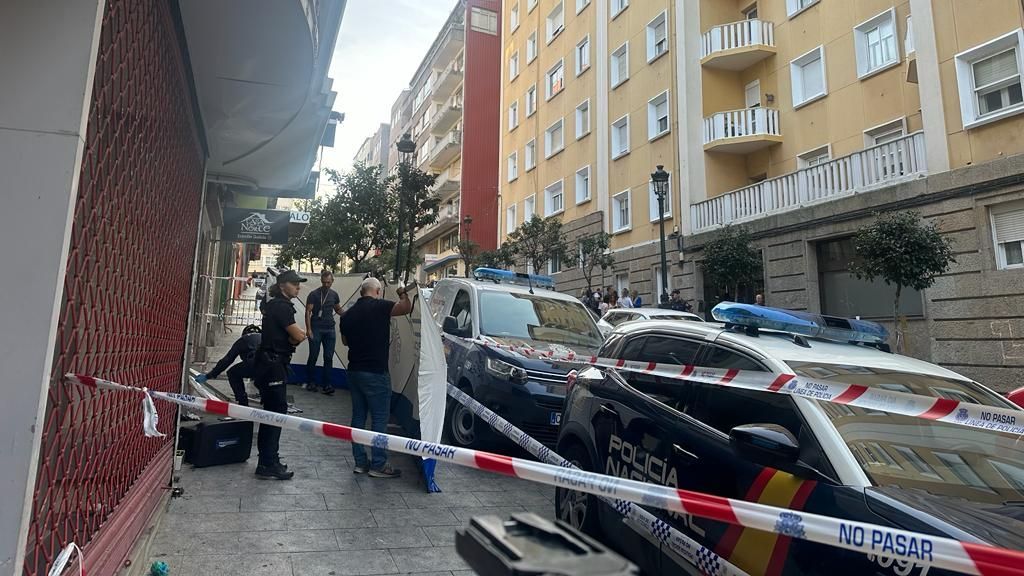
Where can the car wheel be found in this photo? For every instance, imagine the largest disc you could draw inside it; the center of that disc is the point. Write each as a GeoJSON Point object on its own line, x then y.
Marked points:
{"type": "Point", "coordinates": [579, 509]}
{"type": "Point", "coordinates": [461, 425]}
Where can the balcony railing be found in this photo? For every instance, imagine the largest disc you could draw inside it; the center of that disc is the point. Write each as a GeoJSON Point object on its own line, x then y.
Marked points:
{"type": "Point", "coordinates": [446, 219]}
{"type": "Point", "coordinates": [722, 129]}
{"type": "Point", "coordinates": [445, 118]}
{"type": "Point", "coordinates": [737, 45]}
{"type": "Point", "coordinates": [447, 182]}
{"type": "Point", "coordinates": [449, 79]}
{"type": "Point", "coordinates": [445, 150]}
{"type": "Point", "coordinates": [874, 167]}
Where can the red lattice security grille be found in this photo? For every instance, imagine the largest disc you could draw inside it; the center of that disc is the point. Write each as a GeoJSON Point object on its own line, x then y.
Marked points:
{"type": "Point", "coordinates": [129, 273]}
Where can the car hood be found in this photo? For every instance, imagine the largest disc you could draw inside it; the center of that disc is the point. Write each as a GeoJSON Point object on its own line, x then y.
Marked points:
{"type": "Point", "coordinates": [542, 364]}
{"type": "Point", "coordinates": [996, 524]}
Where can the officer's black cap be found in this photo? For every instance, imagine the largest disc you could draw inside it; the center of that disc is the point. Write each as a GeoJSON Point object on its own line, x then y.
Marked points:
{"type": "Point", "coordinates": [289, 276]}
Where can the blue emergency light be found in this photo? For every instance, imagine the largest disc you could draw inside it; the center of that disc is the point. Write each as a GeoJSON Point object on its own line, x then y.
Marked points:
{"type": "Point", "coordinates": [803, 323]}
{"type": "Point", "coordinates": [510, 277]}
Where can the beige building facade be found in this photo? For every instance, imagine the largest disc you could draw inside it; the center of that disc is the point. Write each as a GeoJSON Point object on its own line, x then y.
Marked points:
{"type": "Point", "coordinates": [798, 119]}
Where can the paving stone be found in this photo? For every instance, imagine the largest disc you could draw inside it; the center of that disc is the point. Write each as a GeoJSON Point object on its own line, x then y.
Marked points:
{"type": "Point", "coordinates": [364, 501]}
{"type": "Point", "coordinates": [224, 522]}
{"type": "Point", "coordinates": [184, 543]}
{"type": "Point", "coordinates": [329, 519]}
{"type": "Point", "coordinates": [511, 498]}
{"type": "Point", "coordinates": [289, 541]}
{"type": "Point", "coordinates": [415, 517]}
{"type": "Point", "coordinates": [188, 504]}
{"type": "Point", "coordinates": [347, 563]}
{"type": "Point", "coordinates": [236, 565]}
{"type": "Point", "coordinates": [464, 514]}
{"type": "Point", "coordinates": [441, 537]}
{"type": "Point", "coordinates": [378, 538]}
{"type": "Point", "coordinates": [421, 559]}
{"type": "Point", "coordinates": [440, 499]}
{"type": "Point", "coordinates": [283, 502]}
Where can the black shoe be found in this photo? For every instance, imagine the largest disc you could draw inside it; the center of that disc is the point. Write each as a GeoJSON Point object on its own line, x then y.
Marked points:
{"type": "Point", "coordinates": [385, 471]}
{"type": "Point", "coordinates": [279, 471]}
{"type": "Point", "coordinates": [328, 390]}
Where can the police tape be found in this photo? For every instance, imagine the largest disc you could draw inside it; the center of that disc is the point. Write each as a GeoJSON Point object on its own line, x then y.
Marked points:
{"type": "Point", "coordinates": [232, 278]}
{"type": "Point", "coordinates": [971, 415]}
{"type": "Point", "coordinates": [690, 550]}
{"type": "Point", "coordinates": [940, 552]}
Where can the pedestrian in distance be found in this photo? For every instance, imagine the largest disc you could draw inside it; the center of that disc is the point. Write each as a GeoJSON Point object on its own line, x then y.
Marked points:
{"type": "Point", "coordinates": [637, 302]}
{"type": "Point", "coordinates": [245, 348]}
{"type": "Point", "coordinates": [321, 305]}
{"type": "Point", "coordinates": [366, 330]}
{"type": "Point", "coordinates": [759, 299]}
{"type": "Point", "coordinates": [280, 336]}
{"type": "Point", "coordinates": [615, 298]}
{"type": "Point", "coordinates": [606, 304]}
{"type": "Point", "coordinates": [625, 301]}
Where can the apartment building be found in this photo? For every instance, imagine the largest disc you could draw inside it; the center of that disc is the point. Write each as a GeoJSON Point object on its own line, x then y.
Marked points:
{"type": "Point", "coordinates": [799, 119]}
{"type": "Point", "coordinates": [449, 110]}
{"type": "Point", "coordinates": [376, 148]}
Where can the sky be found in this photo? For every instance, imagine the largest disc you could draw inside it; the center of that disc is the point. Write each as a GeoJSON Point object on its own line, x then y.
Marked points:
{"type": "Point", "coordinates": [380, 45]}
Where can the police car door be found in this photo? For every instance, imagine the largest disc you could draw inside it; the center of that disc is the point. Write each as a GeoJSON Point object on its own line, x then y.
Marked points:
{"type": "Point", "coordinates": [635, 433]}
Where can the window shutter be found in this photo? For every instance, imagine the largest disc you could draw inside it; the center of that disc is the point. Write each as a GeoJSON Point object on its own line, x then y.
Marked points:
{"type": "Point", "coordinates": [1009, 225]}
{"type": "Point", "coordinates": [996, 68]}
{"type": "Point", "coordinates": [813, 79]}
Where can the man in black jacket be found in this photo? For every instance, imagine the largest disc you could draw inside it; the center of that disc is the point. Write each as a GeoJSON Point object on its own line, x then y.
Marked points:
{"type": "Point", "coordinates": [244, 348]}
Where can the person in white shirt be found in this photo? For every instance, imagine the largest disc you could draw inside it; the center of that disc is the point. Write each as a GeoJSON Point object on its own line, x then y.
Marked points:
{"type": "Point", "coordinates": [625, 301]}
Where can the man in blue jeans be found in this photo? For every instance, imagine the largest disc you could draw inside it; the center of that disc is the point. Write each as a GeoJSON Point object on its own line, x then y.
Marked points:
{"type": "Point", "coordinates": [321, 304]}
{"type": "Point", "coordinates": [366, 330]}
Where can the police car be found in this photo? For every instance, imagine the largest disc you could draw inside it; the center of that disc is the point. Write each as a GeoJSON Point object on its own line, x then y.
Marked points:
{"type": "Point", "coordinates": [502, 307]}
{"type": "Point", "coordinates": [792, 452]}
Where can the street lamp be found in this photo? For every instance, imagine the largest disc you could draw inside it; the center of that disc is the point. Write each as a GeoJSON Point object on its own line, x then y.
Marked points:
{"type": "Point", "coordinates": [406, 149]}
{"type": "Point", "coordinates": [660, 179]}
{"type": "Point", "coordinates": [467, 248]}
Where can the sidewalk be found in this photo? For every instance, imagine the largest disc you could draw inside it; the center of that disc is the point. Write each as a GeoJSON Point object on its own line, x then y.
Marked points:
{"type": "Point", "coordinates": [326, 521]}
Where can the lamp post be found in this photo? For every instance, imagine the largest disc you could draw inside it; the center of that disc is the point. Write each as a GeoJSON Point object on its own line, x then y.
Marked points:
{"type": "Point", "coordinates": [660, 179]}
{"type": "Point", "coordinates": [467, 248]}
{"type": "Point", "coordinates": [406, 149]}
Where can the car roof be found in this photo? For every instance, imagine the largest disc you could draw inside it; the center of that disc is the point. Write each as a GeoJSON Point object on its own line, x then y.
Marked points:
{"type": "Point", "coordinates": [663, 312]}
{"type": "Point", "coordinates": [490, 286]}
{"type": "Point", "coordinates": [781, 347]}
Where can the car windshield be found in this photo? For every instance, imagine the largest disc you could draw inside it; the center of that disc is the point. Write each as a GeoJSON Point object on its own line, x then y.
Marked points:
{"type": "Point", "coordinates": [670, 317]}
{"type": "Point", "coordinates": [907, 452]}
{"type": "Point", "coordinates": [537, 317]}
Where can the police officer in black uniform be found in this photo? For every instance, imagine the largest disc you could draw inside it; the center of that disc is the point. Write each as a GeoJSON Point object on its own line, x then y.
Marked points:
{"type": "Point", "coordinates": [245, 348]}
{"type": "Point", "coordinates": [280, 336]}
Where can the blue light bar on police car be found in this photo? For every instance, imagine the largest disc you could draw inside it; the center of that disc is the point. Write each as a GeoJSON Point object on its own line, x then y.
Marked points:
{"type": "Point", "coordinates": [510, 277]}
{"type": "Point", "coordinates": [803, 323]}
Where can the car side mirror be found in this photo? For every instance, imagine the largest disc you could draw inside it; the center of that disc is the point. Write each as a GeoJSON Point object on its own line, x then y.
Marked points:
{"type": "Point", "coordinates": [450, 326]}
{"type": "Point", "coordinates": [768, 445]}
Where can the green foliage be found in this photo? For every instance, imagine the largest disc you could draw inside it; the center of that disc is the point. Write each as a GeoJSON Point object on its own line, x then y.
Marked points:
{"type": "Point", "coordinates": [594, 253]}
{"type": "Point", "coordinates": [469, 252]}
{"type": "Point", "coordinates": [419, 206]}
{"type": "Point", "coordinates": [901, 250]}
{"type": "Point", "coordinates": [730, 260]}
{"type": "Point", "coordinates": [502, 258]}
{"type": "Point", "coordinates": [537, 241]}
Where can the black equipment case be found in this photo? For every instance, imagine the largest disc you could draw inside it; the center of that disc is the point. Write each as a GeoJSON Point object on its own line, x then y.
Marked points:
{"type": "Point", "coordinates": [211, 442]}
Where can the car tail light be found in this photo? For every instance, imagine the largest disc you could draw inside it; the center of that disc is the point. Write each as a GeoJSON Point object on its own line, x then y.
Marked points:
{"type": "Point", "coordinates": [1017, 397]}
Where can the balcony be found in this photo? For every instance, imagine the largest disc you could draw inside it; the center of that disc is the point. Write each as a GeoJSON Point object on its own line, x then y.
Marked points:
{"type": "Point", "coordinates": [875, 167]}
{"type": "Point", "coordinates": [447, 219]}
{"type": "Point", "coordinates": [742, 131]}
{"type": "Point", "coordinates": [446, 118]}
{"type": "Point", "coordinates": [738, 45]}
{"type": "Point", "coordinates": [447, 183]}
{"type": "Point", "coordinates": [449, 80]}
{"type": "Point", "coordinates": [442, 154]}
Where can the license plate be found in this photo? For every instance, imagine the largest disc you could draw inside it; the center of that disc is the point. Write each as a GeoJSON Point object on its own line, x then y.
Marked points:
{"type": "Point", "coordinates": [556, 418]}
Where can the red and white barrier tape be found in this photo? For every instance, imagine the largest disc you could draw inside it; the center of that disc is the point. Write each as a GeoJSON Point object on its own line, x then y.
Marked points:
{"type": "Point", "coordinates": [62, 559]}
{"type": "Point", "coordinates": [967, 414]}
{"type": "Point", "coordinates": [232, 278]}
{"type": "Point", "coordinates": [687, 548]}
{"type": "Point", "coordinates": [940, 552]}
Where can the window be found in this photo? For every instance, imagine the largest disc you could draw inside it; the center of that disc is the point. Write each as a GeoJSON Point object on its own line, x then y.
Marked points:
{"type": "Point", "coordinates": [888, 161]}
{"type": "Point", "coordinates": [620, 65]}
{"type": "Point", "coordinates": [620, 212]}
{"type": "Point", "coordinates": [554, 80]}
{"type": "Point", "coordinates": [808, 77]}
{"type": "Point", "coordinates": [988, 77]}
{"type": "Point", "coordinates": [483, 20]}
{"type": "Point", "coordinates": [583, 184]}
{"type": "Point", "coordinates": [555, 22]}
{"type": "Point", "coordinates": [620, 137]}
{"type": "Point", "coordinates": [513, 66]}
{"type": "Point", "coordinates": [530, 162]}
{"type": "Point", "coordinates": [794, 7]}
{"type": "Point", "coordinates": [581, 4]}
{"type": "Point", "coordinates": [531, 100]}
{"type": "Point", "coordinates": [885, 133]}
{"type": "Point", "coordinates": [555, 264]}
{"type": "Point", "coordinates": [814, 157]}
{"type": "Point", "coordinates": [529, 205]}
{"type": "Point", "coordinates": [916, 461]}
{"type": "Point", "coordinates": [652, 202]}
{"type": "Point", "coordinates": [531, 47]}
{"type": "Point", "coordinates": [513, 166]}
{"type": "Point", "coordinates": [583, 55]}
{"type": "Point", "coordinates": [843, 294]}
{"type": "Point", "coordinates": [530, 5]}
{"type": "Point", "coordinates": [554, 199]}
{"type": "Point", "coordinates": [510, 219]}
{"type": "Point", "coordinates": [463, 313]}
{"type": "Point", "coordinates": [656, 290]}
{"type": "Point", "coordinates": [583, 119]}
{"type": "Point", "coordinates": [875, 43]}
{"type": "Point", "coordinates": [554, 139]}
{"type": "Point", "coordinates": [657, 36]}
{"type": "Point", "coordinates": [908, 37]}
{"type": "Point", "coordinates": [621, 281]}
{"type": "Point", "coordinates": [617, 6]}
{"type": "Point", "coordinates": [513, 115]}
{"type": "Point", "coordinates": [657, 116]}
{"type": "Point", "coordinates": [1008, 232]}
{"type": "Point", "coordinates": [513, 17]}
{"type": "Point", "coordinates": [750, 13]}
{"type": "Point", "coordinates": [752, 94]}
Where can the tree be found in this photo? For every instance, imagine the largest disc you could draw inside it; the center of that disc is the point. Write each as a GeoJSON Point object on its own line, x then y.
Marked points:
{"type": "Point", "coordinates": [468, 252]}
{"type": "Point", "coordinates": [502, 257]}
{"type": "Point", "coordinates": [594, 253]}
{"type": "Point", "coordinates": [730, 260]}
{"type": "Point", "coordinates": [537, 241]}
{"type": "Point", "coordinates": [903, 251]}
{"type": "Point", "coordinates": [419, 206]}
